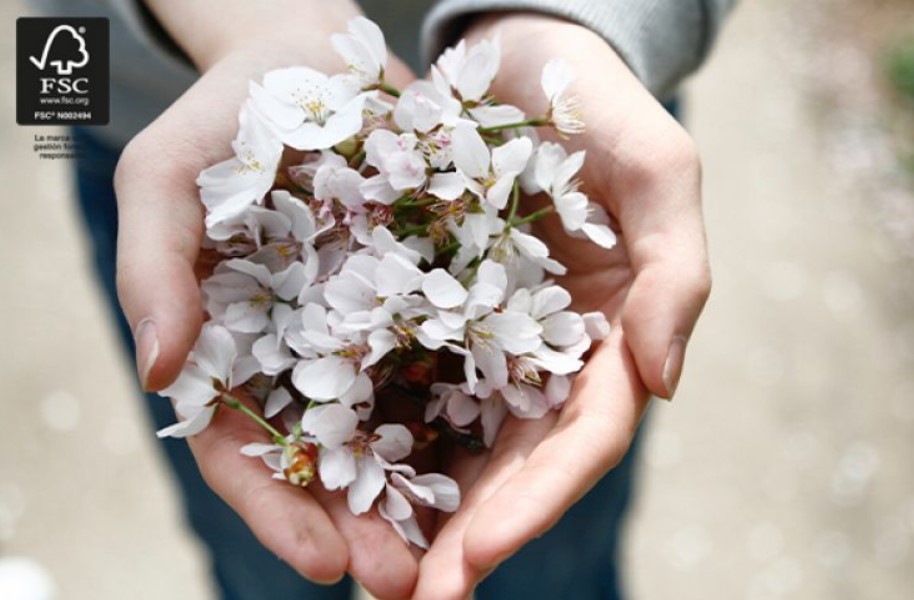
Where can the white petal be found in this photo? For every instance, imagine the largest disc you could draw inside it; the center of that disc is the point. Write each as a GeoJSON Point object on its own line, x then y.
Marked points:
{"type": "Point", "coordinates": [557, 390]}
{"type": "Point", "coordinates": [471, 155]}
{"type": "Point", "coordinates": [494, 411]}
{"type": "Point", "coordinates": [494, 116]}
{"type": "Point", "coordinates": [443, 290]}
{"type": "Point", "coordinates": [337, 468]}
{"type": "Point", "coordinates": [272, 355]}
{"type": "Point", "coordinates": [381, 342]}
{"type": "Point", "coordinates": [396, 275]}
{"type": "Point", "coordinates": [255, 449]}
{"type": "Point", "coordinates": [462, 409]}
{"type": "Point", "coordinates": [557, 77]}
{"type": "Point", "coordinates": [597, 325]}
{"type": "Point", "coordinates": [332, 424]}
{"type": "Point", "coordinates": [447, 186]}
{"type": "Point", "coordinates": [525, 402]}
{"type": "Point", "coordinates": [445, 489]}
{"type": "Point", "coordinates": [215, 351]}
{"type": "Point", "coordinates": [396, 442]}
{"type": "Point", "coordinates": [368, 484]}
{"type": "Point", "coordinates": [248, 316]}
{"type": "Point", "coordinates": [601, 235]}
{"type": "Point", "coordinates": [326, 378]}
{"type": "Point", "coordinates": [572, 209]}
{"type": "Point", "coordinates": [361, 391]}
{"type": "Point", "coordinates": [516, 332]}
{"type": "Point", "coordinates": [190, 427]}
{"type": "Point", "coordinates": [512, 157]}
{"type": "Point", "coordinates": [276, 401]}
{"type": "Point", "coordinates": [563, 328]}
{"type": "Point", "coordinates": [396, 505]}
{"type": "Point", "coordinates": [549, 300]}
{"type": "Point", "coordinates": [193, 386]}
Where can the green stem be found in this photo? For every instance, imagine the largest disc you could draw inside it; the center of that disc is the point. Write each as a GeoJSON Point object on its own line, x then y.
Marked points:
{"type": "Point", "coordinates": [532, 217]}
{"type": "Point", "coordinates": [515, 201]}
{"type": "Point", "coordinates": [389, 89]}
{"type": "Point", "coordinates": [236, 404]}
{"type": "Point", "coordinates": [535, 122]}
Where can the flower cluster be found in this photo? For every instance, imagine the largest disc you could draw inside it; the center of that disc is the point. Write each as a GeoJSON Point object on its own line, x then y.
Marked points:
{"type": "Point", "coordinates": [376, 285]}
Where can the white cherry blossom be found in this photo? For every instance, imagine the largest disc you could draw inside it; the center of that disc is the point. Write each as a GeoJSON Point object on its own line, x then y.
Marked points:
{"type": "Point", "coordinates": [354, 459]}
{"type": "Point", "coordinates": [555, 172]}
{"type": "Point", "coordinates": [364, 51]}
{"type": "Point", "coordinates": [489, 174]}
{"type": "Point", "coordinates": [229, 187]}
{"type": "Point", "coordinates": [307, 109]}
{"type": "Point", "coordinates": [213, 368]}
{"type": "Point", "coordinates": [565, 112]}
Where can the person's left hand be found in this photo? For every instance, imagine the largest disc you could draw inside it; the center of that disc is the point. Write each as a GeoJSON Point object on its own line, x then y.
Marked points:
{"type": "Point", "coordinates": [643, 169]}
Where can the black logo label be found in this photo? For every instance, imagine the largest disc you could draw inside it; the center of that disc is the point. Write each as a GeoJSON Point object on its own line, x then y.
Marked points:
{"type": "Point", "coordinates": [62, 71]}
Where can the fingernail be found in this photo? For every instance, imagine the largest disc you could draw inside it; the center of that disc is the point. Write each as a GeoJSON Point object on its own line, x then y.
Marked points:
{"type": "Point", "coordinates": [147, 349]}
{"type": "Point", "coordinates": [672, 368]}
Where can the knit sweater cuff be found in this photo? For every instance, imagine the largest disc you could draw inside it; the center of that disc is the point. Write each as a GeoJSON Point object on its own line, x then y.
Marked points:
{"type": "Point", "coordinates": [661, 41]}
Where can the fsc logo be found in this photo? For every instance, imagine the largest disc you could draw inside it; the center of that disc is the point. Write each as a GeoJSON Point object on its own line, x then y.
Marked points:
{"type": "Point", "coordinates": [62, 71]}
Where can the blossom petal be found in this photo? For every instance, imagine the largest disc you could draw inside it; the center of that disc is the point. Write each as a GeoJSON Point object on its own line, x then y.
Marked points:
{"type": "Point", "coordinates": [337, 468]}
{"type": "Point", "coordinates": [191, 426]}
{"type": "Point", "coordinates": [367, 485]}
{"type": "Point", "coordinates": [332, 424]}
{"type": "Point", "coordinates": [445, 490]}
{"type": "Point", "coordinates": [396, 505]}
{"type": "Point", "coordinates": [471, 155]}
{"type": "Point", "coordinates": [443, 290]}
{"type": "Point", "coordinates": [215, 351]}
{"type": "Point", "coordinates": [396, 442]}
{"type": "Point", "coordinates": [600, 235]}
{"type": "Point", "coordinates": [447, 186]}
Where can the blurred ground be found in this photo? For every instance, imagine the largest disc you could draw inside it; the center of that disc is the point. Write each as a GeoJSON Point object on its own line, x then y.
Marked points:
{"type": "Point", "coordinates": [782, 470]}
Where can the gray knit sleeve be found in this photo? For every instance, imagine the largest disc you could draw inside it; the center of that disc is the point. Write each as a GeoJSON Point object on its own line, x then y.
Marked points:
{"type": "Point", "coordinates": [662, 41]}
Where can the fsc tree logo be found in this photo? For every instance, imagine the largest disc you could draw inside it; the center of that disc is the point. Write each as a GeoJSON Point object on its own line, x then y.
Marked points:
{"type": "Point", "coordinates": [62, 71]}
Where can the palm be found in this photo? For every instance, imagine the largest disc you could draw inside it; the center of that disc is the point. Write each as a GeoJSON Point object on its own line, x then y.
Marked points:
{"type": "Point", "coordinates": [651, 286]}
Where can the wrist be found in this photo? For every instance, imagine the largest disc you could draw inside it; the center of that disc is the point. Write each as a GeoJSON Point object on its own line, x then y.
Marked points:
{"type": "Point", "coordinates": [210, 30]}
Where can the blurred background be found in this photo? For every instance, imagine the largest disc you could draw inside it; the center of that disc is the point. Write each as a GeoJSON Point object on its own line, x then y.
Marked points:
{"type": "Point", "coordinates": [782, 470]}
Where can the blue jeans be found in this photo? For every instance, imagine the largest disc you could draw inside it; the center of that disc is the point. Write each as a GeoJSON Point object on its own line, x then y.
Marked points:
{"type": "Point", "coordinates": [576, 559]}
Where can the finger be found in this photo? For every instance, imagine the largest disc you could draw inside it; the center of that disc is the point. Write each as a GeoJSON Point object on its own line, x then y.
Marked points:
{"type": "Point", "coordinates": [160, 224]}
{"type": "Point", "coordinates": [287, 520]}
{"type": "Point", "coordinates": [444, 572]}
{"type": "Point", "coordinates": [663, 229]}
{"type": "Point", "coordinates": [592, 435]}
{"type": "Point", "coordinates": [379, 559]}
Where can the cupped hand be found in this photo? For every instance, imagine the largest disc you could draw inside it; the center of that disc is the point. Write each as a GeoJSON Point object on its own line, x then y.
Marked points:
{"type": "Point", "coordinates": [643, 169]}
{"type": "Point", "coordinates": [161, 228]}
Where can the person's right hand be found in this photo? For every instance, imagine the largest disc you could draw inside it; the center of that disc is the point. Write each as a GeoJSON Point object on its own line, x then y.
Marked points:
{"type": "Point", "coordinates": [161, 228]}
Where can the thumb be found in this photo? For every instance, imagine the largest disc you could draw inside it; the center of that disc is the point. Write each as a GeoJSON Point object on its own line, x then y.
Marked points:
{"type": "Point", "coordinates": [664, 233]}
{"type": "Point", "coordinates": [160, 223]}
